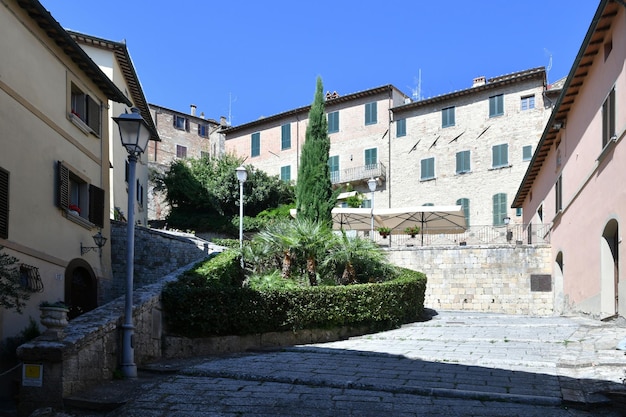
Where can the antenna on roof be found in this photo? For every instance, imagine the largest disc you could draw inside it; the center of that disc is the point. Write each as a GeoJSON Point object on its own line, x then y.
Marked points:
{"type": "Point", "coordinates": [416, 93]}
{"type": "Point", "coordinates": [230, 105]}
{"type": "Point", "coordinates": [549, 67]}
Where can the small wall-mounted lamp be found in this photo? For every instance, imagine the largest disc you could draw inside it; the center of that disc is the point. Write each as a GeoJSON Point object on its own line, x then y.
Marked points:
{"type": "Point", "coordinates": [558, 125]}
{"type": "Point", "coordinates": [98, 239]}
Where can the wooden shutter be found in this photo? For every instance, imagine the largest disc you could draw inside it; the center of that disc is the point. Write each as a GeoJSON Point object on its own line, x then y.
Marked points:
{"type": "Point", "coordinates": [63, 186]}
{"type": "Point", "coordinates": [93, 115]}
{"type": "Point", "coordinates": [96, 205]}
{"type": "Point", "coordinates": [186, 124]}
{"type": "Point", "coordinates": [4, 204]}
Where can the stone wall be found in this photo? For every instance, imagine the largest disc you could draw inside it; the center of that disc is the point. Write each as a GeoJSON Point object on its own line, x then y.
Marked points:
{"type": "Point", "coordinates": [89, 352]}
{"type": "Point", "coordinates": [157, 253]}
{"type": "Point", "coordinates": [484, 278]}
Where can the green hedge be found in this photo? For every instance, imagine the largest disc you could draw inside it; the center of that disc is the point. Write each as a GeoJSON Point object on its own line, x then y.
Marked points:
{"type": "Point", "coordinates": [216, 309]}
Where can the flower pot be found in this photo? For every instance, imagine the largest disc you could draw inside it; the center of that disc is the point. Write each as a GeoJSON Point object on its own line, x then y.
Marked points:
{"type": "Point", "coordinates": [55, 320]}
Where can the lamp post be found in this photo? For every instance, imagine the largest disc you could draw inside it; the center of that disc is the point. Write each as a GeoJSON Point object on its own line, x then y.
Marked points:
{"type": "Point", "coordinates": [135, 134]}
{"type": "Point", "coordinates": [509, 234]}
{"type": "Point", "coordinates": [371, 183]}
{"type": "Point", "coordinates": [242, 176]}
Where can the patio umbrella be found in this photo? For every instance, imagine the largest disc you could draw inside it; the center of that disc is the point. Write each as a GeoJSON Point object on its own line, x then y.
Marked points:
{"type": "Point", "coordinates": [430, 219]}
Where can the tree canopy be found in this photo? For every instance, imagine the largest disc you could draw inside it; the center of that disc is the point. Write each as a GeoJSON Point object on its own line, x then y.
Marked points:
{"type": "Point", "coordinates": [209, 187]}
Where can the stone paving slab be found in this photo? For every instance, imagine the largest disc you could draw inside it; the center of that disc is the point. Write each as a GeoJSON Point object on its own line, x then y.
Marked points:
{"type": "Point", "coordinates": [457, 364]}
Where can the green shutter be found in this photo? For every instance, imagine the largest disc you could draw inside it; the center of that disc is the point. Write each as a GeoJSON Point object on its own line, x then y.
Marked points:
{"type": "Point", "coordinates": [371, 157]}
{"type": "Point", "coordinates": [371, 116]}
{"type": "Point", "coordinates": [401, 128]}
{"type": "Point", "coordinates": [255, 145]}
{"type": "Point", "coordinates": [333, 122]}
{"type": "Point", "coordinates": [499, 209]}
{"type": "Point", "coordinates": [63, 186]}
{"type": "Point", "coordinates": [462, 162]}
{"type": "Point", "coordinates": [286, 136]}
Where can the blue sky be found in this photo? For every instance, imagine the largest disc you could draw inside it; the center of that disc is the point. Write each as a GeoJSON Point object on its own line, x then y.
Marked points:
{"type": "Point", "coordinates": [245, 60]}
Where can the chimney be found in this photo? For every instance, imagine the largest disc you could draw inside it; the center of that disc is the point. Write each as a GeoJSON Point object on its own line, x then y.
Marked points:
{"type": "Point", "coordinates": [478, 81]}
{"type": "Point", "coordinates": [193, 109]}
{"type": "Point", "coordinates": [223, 121]}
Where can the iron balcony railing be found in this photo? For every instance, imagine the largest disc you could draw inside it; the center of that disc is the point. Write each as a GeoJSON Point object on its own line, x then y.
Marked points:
{"type": "Point", "coordinates": [514, 234]}
{"type": "Point", "coordinates": [363, 172]}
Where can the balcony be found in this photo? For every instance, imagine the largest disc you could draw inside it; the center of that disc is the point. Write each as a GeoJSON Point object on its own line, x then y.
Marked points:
{"type": "Point", "coordinates": [361, 173]}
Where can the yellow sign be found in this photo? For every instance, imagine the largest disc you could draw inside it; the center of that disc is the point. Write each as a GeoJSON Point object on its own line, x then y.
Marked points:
{"type": "Point", "coordinates": [32, 375]}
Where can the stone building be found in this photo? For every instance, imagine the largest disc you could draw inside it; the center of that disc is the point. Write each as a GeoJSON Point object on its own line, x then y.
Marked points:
{"type": "Point", "coordinates": [468, 147]}
{"type": "Point", "coordinates": [183, 135]}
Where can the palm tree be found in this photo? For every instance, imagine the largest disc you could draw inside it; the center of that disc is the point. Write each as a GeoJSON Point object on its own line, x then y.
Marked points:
{"type": "Point", "coordinates": [347, 253]}
{"type": "Point", "coordinates": [310, 239]}
{"type": "Point", "coordinates": [277, 242]}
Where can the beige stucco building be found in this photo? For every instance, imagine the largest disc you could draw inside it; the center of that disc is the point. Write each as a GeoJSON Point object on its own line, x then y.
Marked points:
{"type": "Point", "coordinates": [184, 135]}
{"type": "Point", "coordinates": [574, 180]}
{"type": "Point", "coordinates": [469, 147]}
{"type": "Point", "coordinates": [54, 164]}
{"type": "Point", "coordinates": [114, 60]}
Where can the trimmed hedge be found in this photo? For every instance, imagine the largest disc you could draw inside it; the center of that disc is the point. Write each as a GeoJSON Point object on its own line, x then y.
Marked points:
{"type": "Point", "coordinates": [215, 309]}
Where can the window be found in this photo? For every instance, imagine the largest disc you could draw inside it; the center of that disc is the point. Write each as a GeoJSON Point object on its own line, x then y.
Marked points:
{"type": "Point", "coordinates": [285, 136]}
{"type": "Point", "coordinates": [496, 105]}
{"type": "Point", "coordinates": [371, 158]}
{"type": "Point", "coordinates": [370, 114]}
{"type": "Point", "coordinates": [558, 192]}
{"type": "Point", "coordinates": [4, 204]}
{"type": "Point", "coordinates": [401, 128]}
{"type": "Point", "coordinates": [181, 151]}
{"type": "Point", "coordinates": [465, 203]}
{"type": "Point", "coordinates": [78, 198]}
{"type": "Point", "coordinates": [85, 111]}
{"type": "Point", "coordinates": [500, 155]}
{"type": "Point", "coordinates": [30, 278]}
{"type": "Point", "coordinates": [181, 123]}
{"type": "Point", "coordinates": [428, 169]}
{"type": "Point", "coordinates": [255, 144]}
{"type": "Point", "coordinates": [333, 122]}
{"type": "Point", "coordinates": [528, 102]}
{"type": "Point", "coordinates": [203, 130]}
{"type": "Point", "coordinates": [499, 209]}
{"type": "Point", "coordinates": [333, 166]}
{"type": "Point", "coordinates": [608, 118]}
{"type": "Point", "coordinates": [285, 173]}
{"type": "Point", "coordinates": [527, 153]}
{"type": "Point", "coordinates": [462, 162]}
{"type": "Point", "coordinates": [518, 212]}
{"type": "Point", "coordinates": [447, 117]}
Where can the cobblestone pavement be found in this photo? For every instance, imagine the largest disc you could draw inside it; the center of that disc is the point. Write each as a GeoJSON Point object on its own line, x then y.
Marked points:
{"type": "Point", "coordinates": [456, 364]}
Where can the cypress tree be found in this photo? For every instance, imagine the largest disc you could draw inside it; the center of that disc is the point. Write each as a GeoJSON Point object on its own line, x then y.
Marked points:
{"type": "Point", "coordinates": [314, 193]}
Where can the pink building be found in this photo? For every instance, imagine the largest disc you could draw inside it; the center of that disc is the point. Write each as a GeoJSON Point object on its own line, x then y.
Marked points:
{"type": "Point", "coordinates": [574, 179]}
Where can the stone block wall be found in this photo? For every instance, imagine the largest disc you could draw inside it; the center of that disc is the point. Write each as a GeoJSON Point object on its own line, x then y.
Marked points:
{"type": "Point", "coordinates": [486, 279]}
{"type": "Point", "coordinates": [90, 350]}
{"type": "Point", "coordinates": [157, 253]}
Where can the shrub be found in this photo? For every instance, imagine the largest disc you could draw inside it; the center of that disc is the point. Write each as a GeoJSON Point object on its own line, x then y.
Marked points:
{"type": "Point", "coordinates": [214, 309]}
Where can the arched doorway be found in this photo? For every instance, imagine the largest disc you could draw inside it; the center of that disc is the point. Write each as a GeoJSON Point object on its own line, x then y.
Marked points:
{"type": "Point", "coordinates": [81, 288]}
{"type": "Point", "coordinates": [609, 269]}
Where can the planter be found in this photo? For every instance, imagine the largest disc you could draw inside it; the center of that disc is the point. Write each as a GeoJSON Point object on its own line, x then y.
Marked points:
{"type": "Point", "coordinates": [55, 320]}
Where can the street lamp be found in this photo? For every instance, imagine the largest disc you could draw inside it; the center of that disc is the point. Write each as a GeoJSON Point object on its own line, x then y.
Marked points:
{"type": "Point", "coordinates": [509, 234]}
{"type": "Point", "coordinates": [371, 183]}
{"type": "Point", "coordinates": [242, 176]}
{"type": "Point", "coordinates": [135, 134]}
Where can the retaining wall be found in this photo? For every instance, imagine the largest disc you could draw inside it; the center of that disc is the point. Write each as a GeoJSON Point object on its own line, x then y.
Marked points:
{"type": "Point", "coordinates": [511, 279]}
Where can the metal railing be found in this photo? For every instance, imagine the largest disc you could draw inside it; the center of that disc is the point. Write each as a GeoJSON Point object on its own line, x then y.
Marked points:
{"type": "Point", "coordinates": [362, 172]}
{"type": "Point", "coordinates": [514, 234]}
